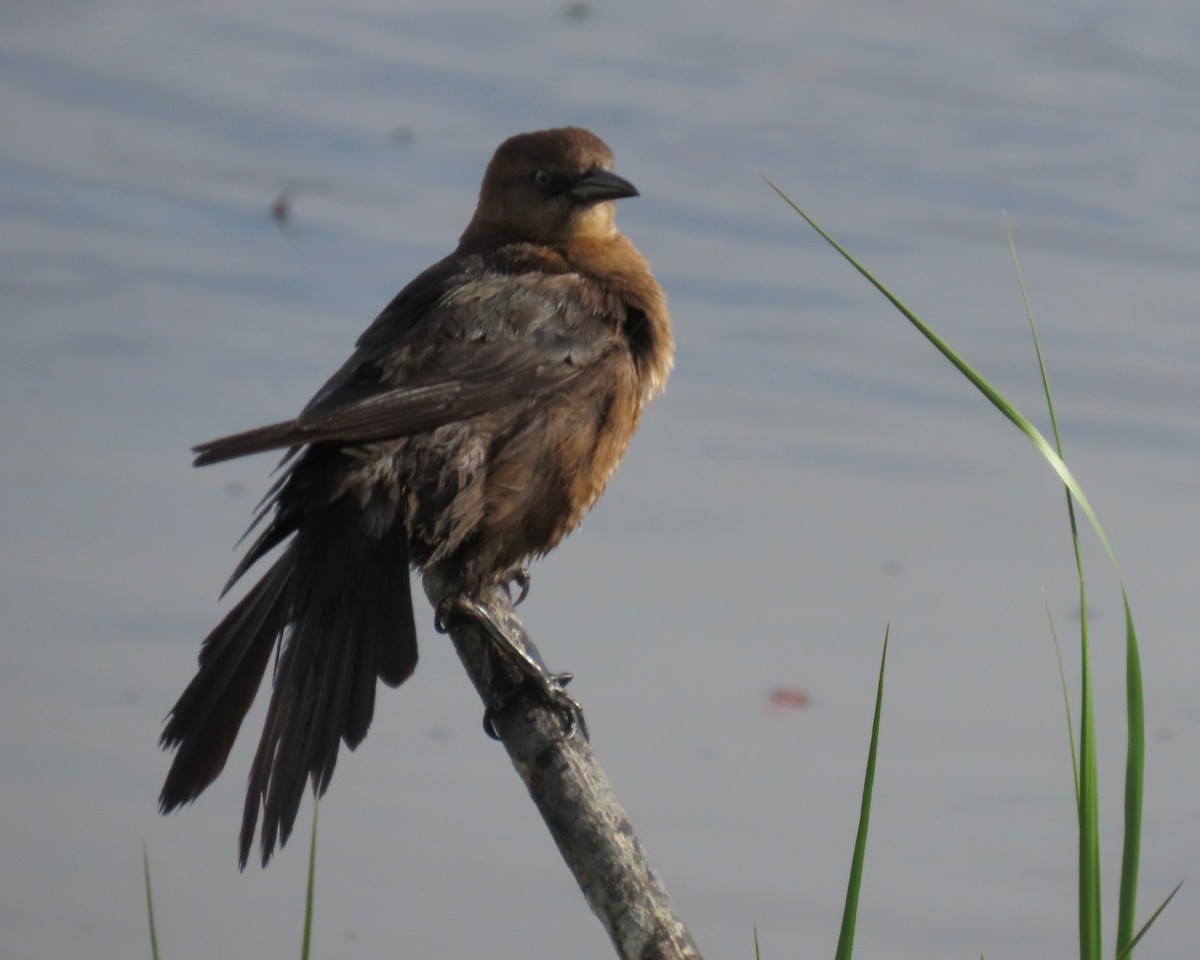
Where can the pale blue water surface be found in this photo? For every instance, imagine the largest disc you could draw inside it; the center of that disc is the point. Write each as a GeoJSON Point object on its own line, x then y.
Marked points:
{"type": "Point", "coordinates": [815, 471]}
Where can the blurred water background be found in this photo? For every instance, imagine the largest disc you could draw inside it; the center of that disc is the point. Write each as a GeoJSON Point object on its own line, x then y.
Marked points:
{"type": "Point", "coordinates": [814, 472]}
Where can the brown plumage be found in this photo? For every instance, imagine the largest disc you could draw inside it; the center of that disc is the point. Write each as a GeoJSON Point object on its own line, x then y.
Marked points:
{"type": "Point", "coordinates": [479, 418]}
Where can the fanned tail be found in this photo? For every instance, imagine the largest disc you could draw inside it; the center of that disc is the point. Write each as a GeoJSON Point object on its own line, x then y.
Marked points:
{"type": "Point", "coordinates": [339, 597]}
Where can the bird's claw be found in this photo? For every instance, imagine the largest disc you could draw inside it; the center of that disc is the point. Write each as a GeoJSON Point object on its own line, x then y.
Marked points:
{"type": "Point", "coordinates": [519, 576]}
{"type": "Point", "coordinates": [443, 612]}
{"type": "Point", "coordinates": [551, 689]}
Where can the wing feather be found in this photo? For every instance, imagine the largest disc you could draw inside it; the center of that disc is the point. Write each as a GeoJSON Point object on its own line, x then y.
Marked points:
{"type": "Point", "coordinates": [384, 392]}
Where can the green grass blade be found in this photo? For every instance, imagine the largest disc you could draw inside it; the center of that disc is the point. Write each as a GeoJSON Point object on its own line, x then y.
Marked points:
{"type": "Point", "coordinates": [312, 886]}
{"type": "Point", "coordinates": [149, 902]}
{"type": "Point", "coordinates": [845, 946]}
{"type": "Point", "coordinates": [1086, 786]}
{"type": "Point", "coordinates": [1037, 347]}
{"type": "Point", "coordinates": [1135, 766]}
{"type": "Point", "coordinates": [1062, 679]}
{"type": "Point", "coordinates": [1089, 823]}
{"type": "Point", "coordinates": [757, 952]}
{"type": "Point", "coordinates": [994, 396]}
{"type": "Point", "coordinates": [1128, 950]}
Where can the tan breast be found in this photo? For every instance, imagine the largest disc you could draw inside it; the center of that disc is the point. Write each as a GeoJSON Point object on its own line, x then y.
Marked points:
{"type": "Point", "coordinates": [548, 476]}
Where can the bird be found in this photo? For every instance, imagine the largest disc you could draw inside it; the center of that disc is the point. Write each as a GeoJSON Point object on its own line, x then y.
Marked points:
{"type": "Point", "coordinates": [477, 420]}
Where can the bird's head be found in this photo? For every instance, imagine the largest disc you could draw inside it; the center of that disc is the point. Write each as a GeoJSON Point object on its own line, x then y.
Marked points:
{"type": "Point", "coordinates": [552, 187]}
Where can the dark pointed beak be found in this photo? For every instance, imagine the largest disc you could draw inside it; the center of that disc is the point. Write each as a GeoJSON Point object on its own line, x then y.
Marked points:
{"type": "Point", "coordinates": [597, 185]}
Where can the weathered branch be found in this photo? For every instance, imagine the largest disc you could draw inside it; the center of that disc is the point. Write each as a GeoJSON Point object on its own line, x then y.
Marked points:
{"type": "Point", "coordinates": [577, 802]}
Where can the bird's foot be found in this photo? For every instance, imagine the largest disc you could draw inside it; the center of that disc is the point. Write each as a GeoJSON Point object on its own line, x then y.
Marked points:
{"type": "Point", "coordinates": [532, 677]}
{"type": "Point", "coordinates": [519, 576]}
{"type": "Point", "coordinates": [550, 688]}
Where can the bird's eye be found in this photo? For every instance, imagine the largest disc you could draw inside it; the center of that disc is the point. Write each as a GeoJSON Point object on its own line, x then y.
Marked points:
{"type": "Point", "coordinates": [541, 178]}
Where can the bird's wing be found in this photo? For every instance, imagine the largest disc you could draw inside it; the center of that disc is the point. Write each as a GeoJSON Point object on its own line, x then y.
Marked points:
{"type": "Point", "coordinates": [465, 356]}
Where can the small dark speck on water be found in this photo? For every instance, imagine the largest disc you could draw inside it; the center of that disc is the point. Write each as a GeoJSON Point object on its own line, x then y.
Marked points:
{"type": "Point", "coordinates": [281, 209]}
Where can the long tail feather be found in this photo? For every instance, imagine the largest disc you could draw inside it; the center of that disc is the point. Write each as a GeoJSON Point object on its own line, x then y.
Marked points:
{"type": "Point", "coordinates": [205, 721]}
{"type": "Point", "coordinates": [351, 625]}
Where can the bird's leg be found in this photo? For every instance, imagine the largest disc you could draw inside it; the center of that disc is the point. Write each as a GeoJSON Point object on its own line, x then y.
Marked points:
{"type": "Point", "coordinates": [524, 666]}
